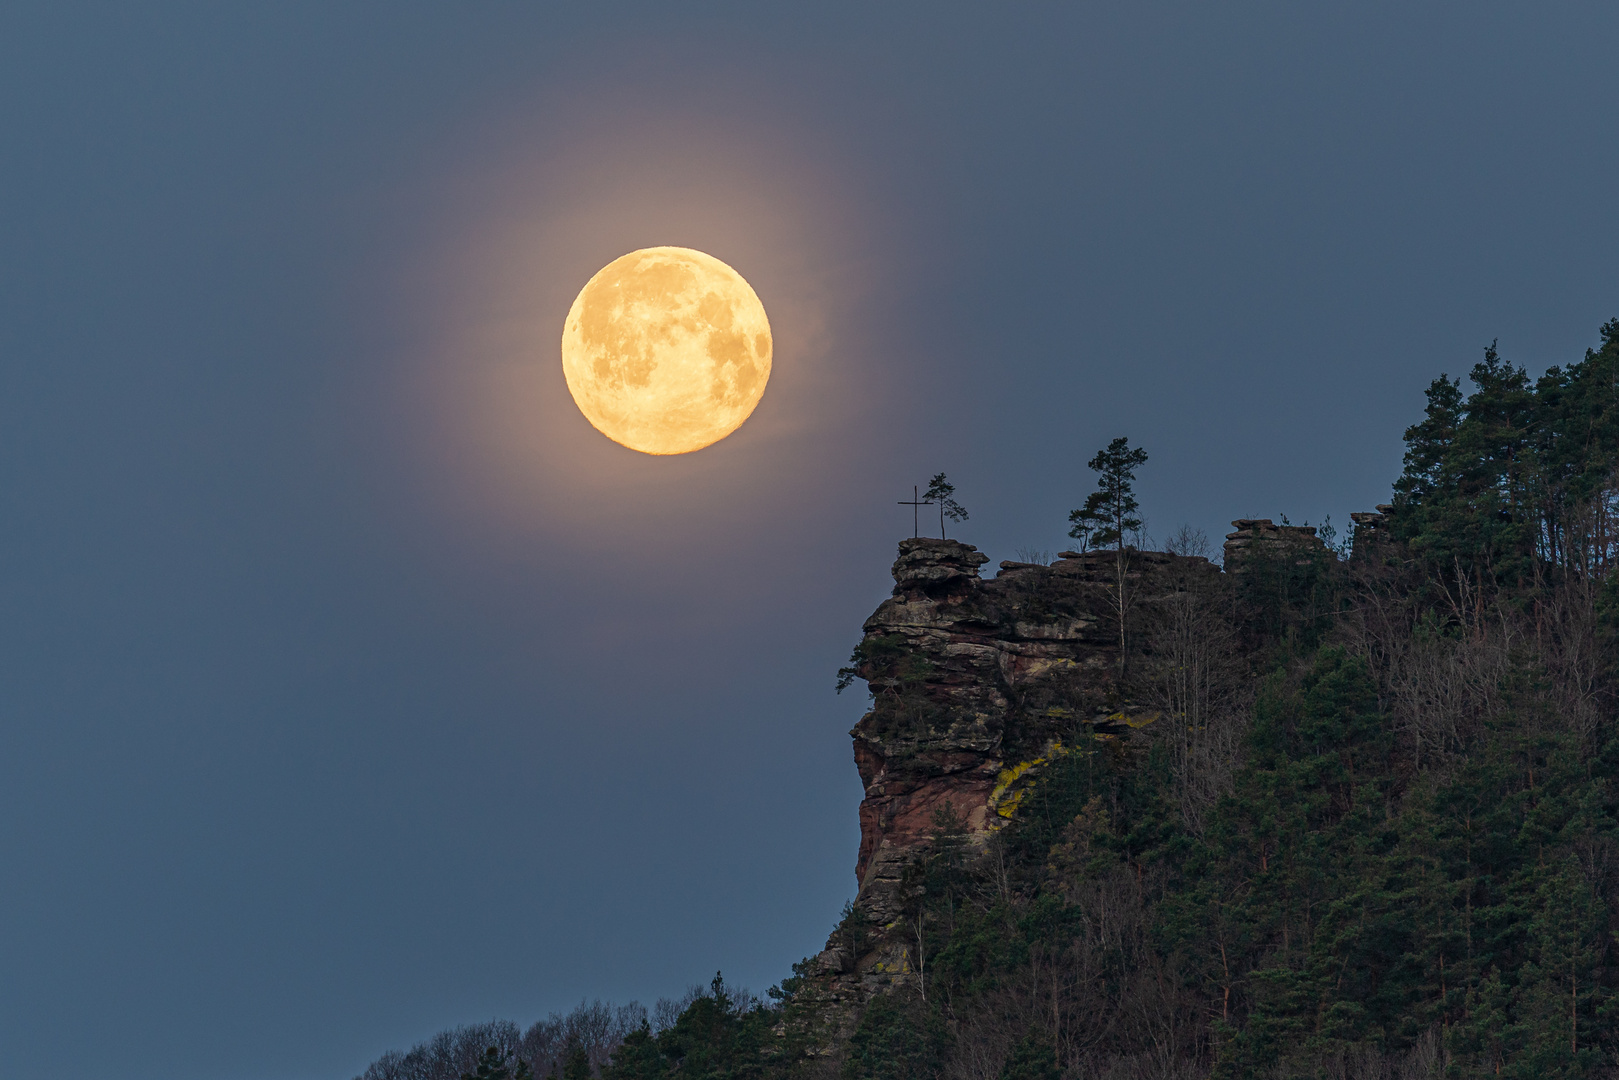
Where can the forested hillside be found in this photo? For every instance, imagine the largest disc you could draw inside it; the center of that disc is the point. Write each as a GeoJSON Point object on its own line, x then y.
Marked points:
{"type": "Point", "coordinates": [1369, 828]}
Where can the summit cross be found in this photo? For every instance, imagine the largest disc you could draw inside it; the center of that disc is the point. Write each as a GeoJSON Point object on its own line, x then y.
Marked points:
{"type": "Point", "coordinates": [916, 503]}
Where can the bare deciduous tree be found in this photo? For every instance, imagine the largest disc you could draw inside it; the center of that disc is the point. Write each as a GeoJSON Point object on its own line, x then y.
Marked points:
{"type": "Point", "coordinates": [595, 1027]}
{"type": "Point", "coordinates": [1195, 679]}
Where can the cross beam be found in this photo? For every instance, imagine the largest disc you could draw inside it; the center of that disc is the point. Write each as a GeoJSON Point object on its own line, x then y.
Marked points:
{"type": "Point", "coordinates": [916, 503]}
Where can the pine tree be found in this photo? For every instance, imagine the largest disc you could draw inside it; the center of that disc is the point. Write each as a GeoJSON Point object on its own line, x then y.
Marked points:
{"type": "Point", "coordinates": [577, 1065]}
{"type": "Point", "coordinates": [1110, 513]}
{"type": "Point", "coordinates": [639, 1057]}
{"type": "Point", "coordinates": [942, 492]}
{"type": "Point", "coordinates": [1467, 501]}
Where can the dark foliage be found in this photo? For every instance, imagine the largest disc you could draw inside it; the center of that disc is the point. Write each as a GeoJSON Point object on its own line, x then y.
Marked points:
{"type": "Point", "coordinates": [1109, 513]}
{"type": "Point", "coordinates": [942, 493]}
{"type": "Point", "coordinates": [718, 1036]}
{"type": "Point", "coordinates": [899, 1038]}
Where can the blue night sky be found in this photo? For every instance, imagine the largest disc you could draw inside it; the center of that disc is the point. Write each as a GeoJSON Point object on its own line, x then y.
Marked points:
{"type": "Point", "coordinates": [352, 686]}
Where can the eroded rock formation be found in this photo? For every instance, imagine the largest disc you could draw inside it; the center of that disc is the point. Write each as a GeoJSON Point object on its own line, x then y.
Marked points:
{"type": "Point", "coordinates": [975, 685]}
{"type": "Point", "coordinates": [1260, 538]}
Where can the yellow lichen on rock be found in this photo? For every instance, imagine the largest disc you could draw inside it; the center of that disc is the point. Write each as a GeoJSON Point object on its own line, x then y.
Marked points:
{"type": "Point", "coordinates": [1004, 804]}
{"type": "Point", "coordinates": [1138, 720]}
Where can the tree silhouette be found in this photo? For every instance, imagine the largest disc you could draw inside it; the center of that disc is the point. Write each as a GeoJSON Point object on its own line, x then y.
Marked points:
{"type": "Point", "coordinates": [942, 492]}
{"type": "Point", "coordinates": [1109, 513]}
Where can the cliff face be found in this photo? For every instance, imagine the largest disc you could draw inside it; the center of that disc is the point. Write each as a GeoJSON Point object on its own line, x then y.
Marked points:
{"type": "Point", "coordinates": [976, 684]}
{"type": "Point", "coordinates": [968, 675]}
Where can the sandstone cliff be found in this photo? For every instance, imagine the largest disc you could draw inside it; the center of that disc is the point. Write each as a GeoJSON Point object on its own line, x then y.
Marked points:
{"type": "Point", "coordinates": [976, 684]}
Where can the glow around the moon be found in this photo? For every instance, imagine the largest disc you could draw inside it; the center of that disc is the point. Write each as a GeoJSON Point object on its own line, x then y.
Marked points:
{"type": "Point", "coordinates": [666, 350]}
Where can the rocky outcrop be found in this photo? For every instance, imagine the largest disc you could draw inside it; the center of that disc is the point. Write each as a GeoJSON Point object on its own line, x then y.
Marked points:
{"type": "Point", "coordinates": [1372, 532]}
{"type": "Point", "coordinates": [1258, 539]}
{"type": "Point", "coordinates": [975, 684]}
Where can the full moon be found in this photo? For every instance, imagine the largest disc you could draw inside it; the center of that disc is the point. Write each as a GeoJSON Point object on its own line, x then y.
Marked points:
{"type": "Point", "coordinates": [666, 350]}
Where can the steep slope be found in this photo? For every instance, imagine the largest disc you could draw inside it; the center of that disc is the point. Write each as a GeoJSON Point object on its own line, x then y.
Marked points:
{"type": "Point", "coordinates": [976, 685]}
